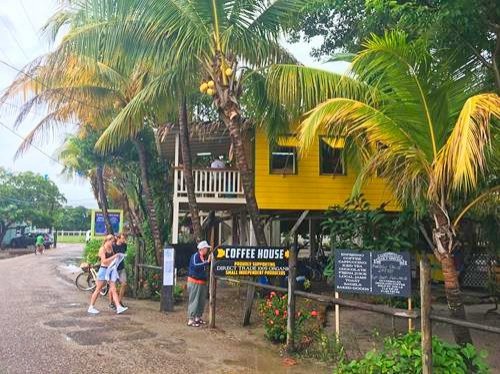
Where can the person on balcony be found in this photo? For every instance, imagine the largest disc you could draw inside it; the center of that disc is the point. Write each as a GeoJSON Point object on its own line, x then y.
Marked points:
{"type": "Point", "coordinates": [218, 163]}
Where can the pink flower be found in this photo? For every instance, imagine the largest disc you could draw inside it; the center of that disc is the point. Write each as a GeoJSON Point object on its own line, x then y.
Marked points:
{"type": "Point", "coordinates": [277, 312]}
{"type": "Point", "coordinates": [314, 313]}
{"type": "Point", "coordinates": [272, 294]}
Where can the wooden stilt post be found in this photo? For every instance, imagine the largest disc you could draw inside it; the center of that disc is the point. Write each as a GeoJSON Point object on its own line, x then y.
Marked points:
{"type": "Point", "coordinates": [425, 310]}
{"type": "Point", "coordinates": [290, 328]}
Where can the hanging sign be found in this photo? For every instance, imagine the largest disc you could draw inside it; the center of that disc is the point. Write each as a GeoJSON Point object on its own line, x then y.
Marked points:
{"type": "Point", "coordinates": [251, 261]}
{"type": "Point", "coordinates": [373, 272]}
{"type": "Point", "coordinates": [168, 266]}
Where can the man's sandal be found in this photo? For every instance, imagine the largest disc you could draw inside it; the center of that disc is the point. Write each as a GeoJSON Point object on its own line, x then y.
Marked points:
{"type": "Point", "coordinates": [200, 322]}
{"type": "Point", "coordinates": [193, 324]}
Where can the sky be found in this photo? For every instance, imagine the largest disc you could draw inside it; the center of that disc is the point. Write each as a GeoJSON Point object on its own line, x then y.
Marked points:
{"type": "Point", "coordinates": [21, 41]}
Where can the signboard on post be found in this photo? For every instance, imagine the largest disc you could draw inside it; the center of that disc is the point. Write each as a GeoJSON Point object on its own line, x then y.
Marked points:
{"type": "Point", "coordinates": [97, 225]}
{"type": "Point", "coordinates": [373, 272]}
{"type": "Point", "coordinates": [167, 293]}
{"type": "Point", "coordinates": [251, 261]}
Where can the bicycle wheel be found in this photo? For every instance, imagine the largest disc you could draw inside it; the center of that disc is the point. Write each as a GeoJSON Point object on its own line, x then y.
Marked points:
{"type": "Point", "coordinates": [82, 282]}
{"type": "Point", "coordinates": [104, 290]}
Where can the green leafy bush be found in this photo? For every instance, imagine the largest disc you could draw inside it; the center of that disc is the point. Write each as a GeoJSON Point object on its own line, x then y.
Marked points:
{"type": "Point", "coordinates": [91, 251]}
{"type": "Point", "coordinates": [273, 310]}
{"type": "Point", "coordinates": [403, 354]}
{"type": "Point", "coordinates": [357, 225]}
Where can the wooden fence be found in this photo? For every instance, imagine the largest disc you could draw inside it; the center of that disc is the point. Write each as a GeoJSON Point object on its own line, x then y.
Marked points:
{"type": "Point", "coordinates": [424, 314]}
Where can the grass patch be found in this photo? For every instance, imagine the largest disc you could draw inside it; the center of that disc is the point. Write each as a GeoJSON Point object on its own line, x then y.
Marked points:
{"type": "Point", "coordinates": [71, 239]}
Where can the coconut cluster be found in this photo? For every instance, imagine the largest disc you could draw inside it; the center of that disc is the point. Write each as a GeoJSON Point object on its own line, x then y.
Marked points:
{"type": "Point", "coordinates": [209, 86]}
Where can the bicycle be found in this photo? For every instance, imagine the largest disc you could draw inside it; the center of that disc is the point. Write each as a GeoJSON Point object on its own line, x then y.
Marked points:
{"type": "Point", "coordinates": [87, 279]}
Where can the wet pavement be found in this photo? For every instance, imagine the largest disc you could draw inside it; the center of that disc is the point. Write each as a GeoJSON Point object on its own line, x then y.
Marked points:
{"type": "Point", "coordinates": [44, 328]}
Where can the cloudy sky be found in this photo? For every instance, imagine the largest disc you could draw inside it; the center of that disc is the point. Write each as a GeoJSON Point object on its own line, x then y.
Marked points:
{"type": "Point", "coordinates": [21, 42]}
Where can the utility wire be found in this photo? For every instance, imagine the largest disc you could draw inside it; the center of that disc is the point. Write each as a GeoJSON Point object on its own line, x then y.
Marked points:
{"type": "Point", "coordinates": [14, 38]}
{"type": "Point", "coordinates": [44, 85]}
{"type": "Point", "coordinates": [33, 145]}
{"type": "Point", "coordinates": [28, 17]}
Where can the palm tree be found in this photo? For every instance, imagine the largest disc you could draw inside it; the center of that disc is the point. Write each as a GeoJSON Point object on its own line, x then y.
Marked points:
{"type": "Point", "coordinates": [219, 42]}
{"type": "Point", "coordinates": [76, 86]}
{"type": "Point", "coordinates": [79, 158]}
{"type": "Point", "coordinates": [423, 129]}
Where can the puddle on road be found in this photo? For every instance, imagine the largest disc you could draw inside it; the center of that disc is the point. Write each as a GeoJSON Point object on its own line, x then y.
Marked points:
{"type": "Point", "coordinates": [98, 336]}
{"type": "Point", "coordinates": [71, 268]}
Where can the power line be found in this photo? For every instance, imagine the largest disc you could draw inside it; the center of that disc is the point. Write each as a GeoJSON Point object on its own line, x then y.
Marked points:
{"type": "Point", "coordinates": [44, 85]}
{"type": "Point", "coordinates": [27, 16]}
{"type": "Point", "coordinates": [36, 112]}
{"type": "Point", "coordinates": [31, 143]}
{"type": "Point", "coordinates": [14, 38]}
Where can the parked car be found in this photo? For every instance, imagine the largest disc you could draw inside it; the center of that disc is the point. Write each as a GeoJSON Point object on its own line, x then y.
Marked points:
{"type": "Point", "coordinates": [28, 239]}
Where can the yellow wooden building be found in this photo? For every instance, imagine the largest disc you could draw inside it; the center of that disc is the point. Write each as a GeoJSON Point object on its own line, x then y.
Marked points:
{"type": "Point", "coordinates": [287, 183]}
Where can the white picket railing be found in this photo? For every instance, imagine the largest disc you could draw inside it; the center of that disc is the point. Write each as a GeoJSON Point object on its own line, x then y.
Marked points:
{"type": "Point", "coordinates": [71, 233]}
{"type": "Point", "coordinates": [211, 183]}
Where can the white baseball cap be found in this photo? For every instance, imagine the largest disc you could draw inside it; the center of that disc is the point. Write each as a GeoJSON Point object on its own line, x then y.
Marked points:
{"type": "Point", "coordinates": [203, 244]}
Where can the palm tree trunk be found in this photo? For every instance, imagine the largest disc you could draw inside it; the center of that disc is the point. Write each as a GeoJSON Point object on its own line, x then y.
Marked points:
{"type": "Point", "coordinates": [247, 177]}
{"type": "Point", "coordinates": [148, 196]}
{"type": "Point", "coordinates": [103, 200]}
{"type": "Point", "coordinates": [188, 170]}
{"type": "Point", "coordinates": [444, 241]}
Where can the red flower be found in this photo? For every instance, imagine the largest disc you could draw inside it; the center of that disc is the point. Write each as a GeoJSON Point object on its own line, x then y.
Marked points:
{"type": "Point", "coordinates": [277, 312]}
{"type": "Point", "coordinates": [314, 313]}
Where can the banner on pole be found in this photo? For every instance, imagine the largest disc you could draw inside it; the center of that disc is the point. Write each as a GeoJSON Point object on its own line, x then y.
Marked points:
{"type": "Point", "coordinates": [251, 261]}
{"type": "Point", "coordinates": [168, 266]}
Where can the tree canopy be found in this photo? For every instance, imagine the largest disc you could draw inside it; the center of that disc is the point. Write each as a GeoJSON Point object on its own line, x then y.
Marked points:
{"type": "Point", "coordinates": [27, 197]}
{"type": "Point", "coordinates": [467, 29]}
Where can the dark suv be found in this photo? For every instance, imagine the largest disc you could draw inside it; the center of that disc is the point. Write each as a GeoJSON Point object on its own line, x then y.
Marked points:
{"type": "Point", "coordinates": [26, 240]}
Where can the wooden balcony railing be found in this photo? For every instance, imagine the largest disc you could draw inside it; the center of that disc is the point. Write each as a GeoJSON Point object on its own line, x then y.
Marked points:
{"type": "Point", "coordinates": [211, 183]}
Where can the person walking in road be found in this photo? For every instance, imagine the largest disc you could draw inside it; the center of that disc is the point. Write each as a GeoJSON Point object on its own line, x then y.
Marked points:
{"type": "Point", "coordinates": [197, 284]}
{"type": "Point", "coordinates": [40, 244]}
{"type": "Point", "coordinates": [120, 246]}
{"type": "Point", "coordinates": [107, 258]}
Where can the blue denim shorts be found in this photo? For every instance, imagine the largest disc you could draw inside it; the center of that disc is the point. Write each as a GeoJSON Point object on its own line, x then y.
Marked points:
{"type": "Point", "coordinates": [101, 274]}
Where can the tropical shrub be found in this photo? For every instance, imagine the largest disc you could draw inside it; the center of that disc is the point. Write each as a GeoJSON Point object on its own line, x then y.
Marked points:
{"type": "Point", "coordinates": [357, 225]}
{"type": "Point", "coordinates": [273, 310]}
{"type": "Point", "coordinates": [403, 354]}
{"type": "Point", "coordinates": [91, 251]}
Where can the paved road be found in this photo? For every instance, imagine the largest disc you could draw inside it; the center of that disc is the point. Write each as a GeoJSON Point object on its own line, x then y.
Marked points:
{"type": "Point", "coordinates": [45, 329]}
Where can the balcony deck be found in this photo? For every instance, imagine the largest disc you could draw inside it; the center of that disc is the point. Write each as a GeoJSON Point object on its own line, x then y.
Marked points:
{"type": "Point", "coordinates": [212, 186]}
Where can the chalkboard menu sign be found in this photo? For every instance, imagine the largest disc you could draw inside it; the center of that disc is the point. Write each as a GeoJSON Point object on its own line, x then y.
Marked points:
{"type": "Point", "coordinates": [373, 272]}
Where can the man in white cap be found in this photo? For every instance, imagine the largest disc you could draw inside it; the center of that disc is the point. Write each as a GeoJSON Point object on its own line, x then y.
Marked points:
{"type": "Point", "coordinates": [197, 284]}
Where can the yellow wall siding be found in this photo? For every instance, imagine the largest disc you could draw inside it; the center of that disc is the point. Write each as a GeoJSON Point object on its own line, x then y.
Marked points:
{"type": "Point", "coordinates": [308, 189]}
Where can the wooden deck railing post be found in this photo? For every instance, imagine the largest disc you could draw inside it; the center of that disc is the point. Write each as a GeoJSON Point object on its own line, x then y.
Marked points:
{"type": "Point", "coordinates": [425, 313]}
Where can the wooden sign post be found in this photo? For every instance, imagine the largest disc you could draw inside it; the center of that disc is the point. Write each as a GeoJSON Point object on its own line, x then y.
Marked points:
{"type": "Point", "coordinates": [167, 291]}
{"type": "Point", "coordinates": [212, 289]}
{"type": "Point", "coordinates": [292, 280]}
{"type": "Point", "coordinates": [425, 311]}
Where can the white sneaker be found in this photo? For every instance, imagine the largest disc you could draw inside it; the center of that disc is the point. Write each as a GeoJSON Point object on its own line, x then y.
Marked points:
{"type": "Point", "coordinates": [120, 309]}
{"type": "Point", "coordinates": [92, 310]}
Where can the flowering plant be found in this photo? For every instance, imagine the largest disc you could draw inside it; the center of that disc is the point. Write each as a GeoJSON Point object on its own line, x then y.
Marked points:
{"type": "Point", "coordinates": [273, 310]}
